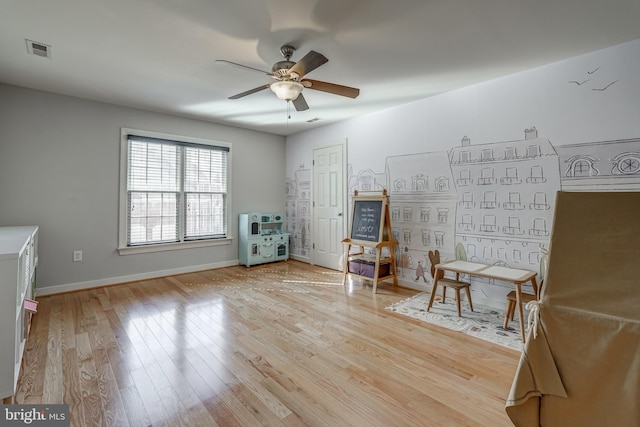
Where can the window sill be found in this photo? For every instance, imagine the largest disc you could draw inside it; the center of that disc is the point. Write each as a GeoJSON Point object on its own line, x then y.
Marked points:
{"type": "Point", "coordinates": [162, 247]}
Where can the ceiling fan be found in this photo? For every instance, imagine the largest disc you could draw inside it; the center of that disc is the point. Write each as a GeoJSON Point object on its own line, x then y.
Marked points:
{"type": "Point", "coordinates": [290, 82]}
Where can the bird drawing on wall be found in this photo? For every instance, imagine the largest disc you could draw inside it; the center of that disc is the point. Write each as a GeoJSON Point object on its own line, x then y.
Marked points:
{"type": "Point", "coordinates": [579, 83]}
{"type": "Point", "coordinates": [606, 87]}
{"type": "Point", "coordinates": [591, 73]}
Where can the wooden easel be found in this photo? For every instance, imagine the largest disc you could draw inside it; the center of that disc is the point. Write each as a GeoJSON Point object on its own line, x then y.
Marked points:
{"type": "Point", "coordinates": [370, 227]}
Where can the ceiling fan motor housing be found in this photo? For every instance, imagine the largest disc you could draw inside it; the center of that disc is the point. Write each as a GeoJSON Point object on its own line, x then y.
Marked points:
{"type": "Point", "coordinates": [281, 68]}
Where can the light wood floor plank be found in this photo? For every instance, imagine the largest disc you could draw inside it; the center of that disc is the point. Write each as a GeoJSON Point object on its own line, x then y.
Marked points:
{"type": "Point", "coordinates": [53, 386]}
{"type": "Point", "coordinates": [72, 384]}
{"type": "Point", "coordinates": [91, 401]}
{"type": "Point", "coordinates": [282, 345]}
{"type": "Point", "coordinates": [134, 407]}
{"type": "Point", "coordinates": [31, 381]}
{"type": "Point", "coordinates": [149, 397]}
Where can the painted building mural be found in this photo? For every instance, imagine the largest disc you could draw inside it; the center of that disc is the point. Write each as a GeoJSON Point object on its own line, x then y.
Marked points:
{"type": "Point", "coordinates": [490, 203]}
{"type": "Point", "coordinates": [423, 204]}
{"type": "Point", "coordinates": [468, 174]}
{"type": "Point", "coordinates": [601, 166]}
{"type": "Point", "coordinates": [506, 193]}
{"type": "Point", "coordinates": [298, 212]}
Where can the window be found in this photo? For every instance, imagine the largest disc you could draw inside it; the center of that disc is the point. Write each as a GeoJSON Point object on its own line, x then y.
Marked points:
{"type": "Point", "coordinates": [533, 151]}
{"type": "Point", "coordinates": [467, 200]}
{"type": "Point", "coordinates": [537, 175]}
{"type": "Point", "coordinates": [510, 153]}
{"type": "Point", "coordinates": [465, 178]}
{"type": "Point", "coordinates": [511, 177]}
{"type": "Point", "coordinates": [582, 168]}
{"type": "Point", "coordinates": [426, 237]}
{"type": "Point", "coordinates": [443, 215]}
{"type": "Point", "coordinates": [514, 202]}
{"type": "Point", "coordinates": [467, 223]}
{"type": "Point", "coordinates": [407, 214]}
{"type": "Point", "coordinates": [486, 155]}
{"type": "Point", "coordinates": [174, 191]}
{"type": "Point", "coordinates": [395, 214]}
{"type": "Point", "coordinates": [539, 202]}
{"type": "Point", "coordinates": [626, 164]}
{"type": "Point", "coordinates": [442, 184]}
{"type": "Point", "coordinates": [487, 177]}
{"type": "Point", "coordinates": [420, 183]}
{"type": "Point", "coordinates": [490, 200]}
{"type": "Point", "coordinates": [488, 224]}
{"type": "Point", "coordinates": [424, 214]}
{"type": "Point", "coordinates": [400, 185]}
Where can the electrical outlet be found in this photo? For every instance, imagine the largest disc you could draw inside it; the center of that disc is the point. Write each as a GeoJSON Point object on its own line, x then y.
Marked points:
{"type": "Point", "coordinates": [77, 256]}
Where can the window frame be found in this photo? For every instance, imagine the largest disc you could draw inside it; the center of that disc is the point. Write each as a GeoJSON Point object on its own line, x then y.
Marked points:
{"type": "Point", "coordinates": [123, 248]}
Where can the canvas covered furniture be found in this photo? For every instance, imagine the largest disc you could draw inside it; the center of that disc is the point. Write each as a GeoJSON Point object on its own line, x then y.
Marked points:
{"type": "Point", "coordinates": [583, 368]}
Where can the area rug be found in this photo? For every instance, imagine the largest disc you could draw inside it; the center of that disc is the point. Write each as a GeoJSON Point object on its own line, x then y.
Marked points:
{"type": "Point", "coordinates": [484, 322]}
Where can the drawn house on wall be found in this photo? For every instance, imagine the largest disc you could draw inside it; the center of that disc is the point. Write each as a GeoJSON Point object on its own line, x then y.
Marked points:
{"type": "Point", "coordinates": [290, 211]}
{"type": "Point", "coordinates": [298, 211]}
{"type": "Point", "coordinates": [608, 166]}
{"type": "Point", "coordinates": [506, 196]}
{"type": "Point", "coordinates": [366, 180]}
{"type": "Point", "coordinates": [422, 206]}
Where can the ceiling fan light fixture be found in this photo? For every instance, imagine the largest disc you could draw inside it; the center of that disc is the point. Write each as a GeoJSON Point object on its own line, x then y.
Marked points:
{"type": "Point", "coordinates": [287, 90]}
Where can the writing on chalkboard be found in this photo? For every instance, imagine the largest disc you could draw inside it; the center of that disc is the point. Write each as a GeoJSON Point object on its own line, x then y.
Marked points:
{"type": "Point", "coordinates": [366, 220]}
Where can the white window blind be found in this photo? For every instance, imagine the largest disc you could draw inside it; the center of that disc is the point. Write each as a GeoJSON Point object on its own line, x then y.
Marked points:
{"type": "Point", "coordinates": [205, 189]}
{"type": "Point", "coordinates": [176, 191]}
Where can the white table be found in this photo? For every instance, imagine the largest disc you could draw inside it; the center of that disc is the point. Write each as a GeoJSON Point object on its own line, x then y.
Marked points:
{"type": "Point", "coordinates": [507, 274]}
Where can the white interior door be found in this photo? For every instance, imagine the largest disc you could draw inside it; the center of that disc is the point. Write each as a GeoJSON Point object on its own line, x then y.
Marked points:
{"type": "Point", "coordinates": [328, 205]}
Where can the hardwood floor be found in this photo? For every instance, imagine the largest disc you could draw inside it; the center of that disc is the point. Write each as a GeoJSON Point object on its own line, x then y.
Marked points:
{"type": "Point", "coordinates": [281, 344]}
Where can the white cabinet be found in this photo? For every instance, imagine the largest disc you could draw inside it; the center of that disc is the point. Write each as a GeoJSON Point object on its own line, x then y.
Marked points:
{"type": "Point", "coordinates": [18, 261]}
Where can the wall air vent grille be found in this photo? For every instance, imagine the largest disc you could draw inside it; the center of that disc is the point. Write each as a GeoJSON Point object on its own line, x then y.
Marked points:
{"type": "Point", "coordinates": [39, 49]}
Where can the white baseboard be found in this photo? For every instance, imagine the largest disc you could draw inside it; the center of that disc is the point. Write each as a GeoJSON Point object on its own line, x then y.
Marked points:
{"type": "Point", "coordinates": [70, 287]}
{"type": "Point", "coordinates": [300, 258]}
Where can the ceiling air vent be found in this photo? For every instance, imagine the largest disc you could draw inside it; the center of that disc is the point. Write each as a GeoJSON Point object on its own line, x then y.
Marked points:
{"type": "Point", "coordinates": [39, 49]}
{"type": "Point", "coordinates": [315, 119]}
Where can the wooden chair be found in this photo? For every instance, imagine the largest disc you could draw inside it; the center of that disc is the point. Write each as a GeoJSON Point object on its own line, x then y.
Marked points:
{"type": "Point", "coordinates": [446, 282]}
{"type": "Point", "coordinates": [512, 300]}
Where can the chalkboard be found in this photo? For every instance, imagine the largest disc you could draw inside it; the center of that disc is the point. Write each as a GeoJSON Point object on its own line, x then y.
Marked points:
{"type": "Point", "coordinates": [366, 223]}
{"type": "Point", "coordinates": [370, 230]}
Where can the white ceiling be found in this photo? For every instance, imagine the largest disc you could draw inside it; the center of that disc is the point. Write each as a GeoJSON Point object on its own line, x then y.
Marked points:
{"type": "Point", "coordinates": [160, 54]}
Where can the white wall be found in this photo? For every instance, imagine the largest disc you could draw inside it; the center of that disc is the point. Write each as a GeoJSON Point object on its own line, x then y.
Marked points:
{"type": "Point", "coordinates": [499, 110]}
{"type": "Point", "coordinates": [59, 169]}
{"type": "Point", "coordinates": [598, 113]}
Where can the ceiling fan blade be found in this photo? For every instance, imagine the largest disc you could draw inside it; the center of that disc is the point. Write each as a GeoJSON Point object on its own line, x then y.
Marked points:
{"type": "Point", "coordinates": [243, 66]}
{"type": "Point", "coordinates": [300, 103]}
{"type": "Point", "coordinates": [335, 89]}
{"type": "Point", "coordinates": [308, 63]}
{"type": "Point", "coordinates": [250, 91]}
